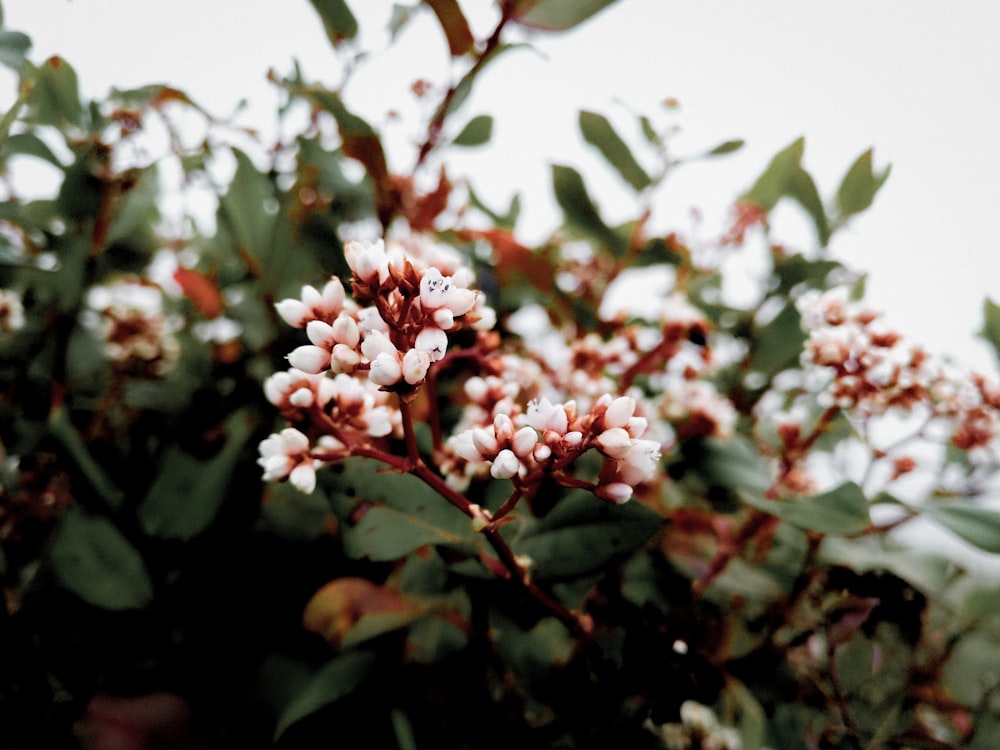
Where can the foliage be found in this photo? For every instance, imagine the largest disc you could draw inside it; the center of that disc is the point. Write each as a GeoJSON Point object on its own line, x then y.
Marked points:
{"type": "Point", "coordinates": [493, 510]}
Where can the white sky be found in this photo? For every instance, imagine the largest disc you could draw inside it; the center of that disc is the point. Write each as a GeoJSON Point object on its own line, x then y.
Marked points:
{"type": "Point", "coordinates": [917, 80]}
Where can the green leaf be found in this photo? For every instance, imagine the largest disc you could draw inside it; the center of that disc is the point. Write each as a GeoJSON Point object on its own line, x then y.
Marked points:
{"type": "Point", "coordinates": [842, 510]}
{"type": "Point", "coordinates": [579, 210]}
{"type": "Point", "coordinates": [335, 680]}
{"type": "Point", "coordinates": [773, 183]}
{"type": "Point", "coordinates": [598, 132]}
{"type": "Point", "coordinates": [557, 15]}
{"type": "Point", "coordinates": [476, 132]}
{"type": "Point", "coordinates": [726, 147]}
{"type": "Point", "coordinates": [245, 209]}
{"type": "Point", "coordinates": [63, 430]}
{"type": "Point", "coordinates": [583, 534]}
{"type": "Point", "coordinates": [386, 516]}
{"type": "Point", "coordinates": [28, 144]}
{"type": "Point", "coordinates": [92, 558]}
{"type": "Point", "coordinates": [859, 186]}
{"type": "Point", "coordinates": [14, 46]}
{"type": "Point", "coordinates": [803, 190]}
{"type": "Point", "coordinates": [338, 21]}
{"type": "Point", "coordinates": [991, 325]}
{"type": "Point", "coordinates": [188, 492]}
{"type": "Point", "coordinates": [456, 28]}
{"type": "Point", "coordinates": [979, 527]}
{"type": "Point", "coordinates": [734, 463]}
{"type": "Point", "coordinates": [778, 344]}
{"type": "Point", "coordinates": [55, 95]}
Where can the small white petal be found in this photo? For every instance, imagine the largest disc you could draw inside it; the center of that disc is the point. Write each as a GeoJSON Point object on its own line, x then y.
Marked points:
{"type": "Point", "coordinates": [432, 340]}
{"type": "Point", "coordinates": [311, 359]}
{"type": "Point", "coordinates": [619, 412]}
{"type": "Point", "coordinates": [614, 442]}
{"type": "Point", "coordinates": [385, 370]}
{"type": "Point", "coordinates": [415, 365]}
{"type": "Point", "coordinates": [505, 465]}
{"type": "Point", "coordinates": [303, 478]}
{"type": "Point", "coordinates": [524, 441]}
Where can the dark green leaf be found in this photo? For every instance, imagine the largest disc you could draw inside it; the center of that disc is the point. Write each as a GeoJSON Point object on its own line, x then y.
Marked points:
{"type": "Point", "coordinates": [55, 95]}
{"type": "Point", "coordinates": [859, 186]}
{"type": "Point", "coordinates": [399, 513]}
{"type": "Point", "coordinates": [557, 15]}
{"type": "Point", "coordinates": [991, 325]}
{"type": "Point", "coordinates": [14, 47]}
{"type": "Point", "coordinates": [456, 28]}
{"type": "Point", "coordinates": [598, 132]}
{"type": "Point", "coordinates": [583, 534]}
{"type": "Point", "coordinates": [803, 190]}
{"type": "Point", "coordinates": [92, 559]}
{"type": "Point", "coordinates": [979, 527]}
{"type": "Point", "coordinates": [338, 21]}
{"type": "Point", "coordinates": [842, 510]}
{"type": "Point", "coordinates": [338, 678]}
{"type": "Point", "coordinates": [188, 491]}
{"type": "Point", "coordinates": [476, 132]}
{"type": "Point", "coordinates": [579, 210]}
{"type": "Point", "coordinates": [63, 430]}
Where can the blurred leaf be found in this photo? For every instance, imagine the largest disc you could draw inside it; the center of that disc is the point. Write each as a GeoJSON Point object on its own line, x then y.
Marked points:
{"type": "Point", "coordinates": [338, 678]}
{"type": "Point", "coordinates": [502, 221]}
{"type": "Point", "coordinates": [859, 186]}
{"type": "Point", "coordinates": [28, 144]}
{"type": "Point", "coordinates": [582, 535]}
{"type": "Point", "coordinates": [773, 183]}
{"type": "Point", "coordinates": [476, 132]}
{"type": "Point", "coordinates": [778, 344]}
{"type": "Point", "coordinates": [785, 177]}
{"type": "Point", "coordinates": [400, 17]}
{"type": "Point", "coordinates": [456, 28]}
{"type": "Point", "coordinates": [14, 47]}
{"type": "Point", "coordinates": [63, 430]}
{"type": "Point", "coordinates": [557, 15]}
{"type": "Point", "coordinates": [55, 96]}
{"type": "Point", "coordinates": [991, 325]}
{"type": "Point", "coordinates": [188, 491]}
{"type": "Point", "coordinates": [979, 527]}
{"type": "Point", "coordinates": [245, 208]}
{"type": "Point", "coordinates": [349, 610]}
{"type": "Point", "coordinates": [842, 510]}
{"type": "Point", "coordinates": [386, 516]}
{"type": "Point", "coordinates": [726, 147]}
{"type": "Point", "coordinates": [734, 463]}
{"type": "Point", "coordinates": [338, 21]}
{"type": "Point", "coordinates": [579, 210]}
{"type": "Point", "coordinates": [92, 559]}
{"type": "Point", "coordinates": [360, 142]}
{"type": "Point", "coordinates": [464, 87]}
{"type": "Point", "coordinates": [598, 132]}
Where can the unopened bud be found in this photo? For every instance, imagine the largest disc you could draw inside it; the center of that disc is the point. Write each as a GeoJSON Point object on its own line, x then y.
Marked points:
{"type": "Point", "coordinates": [311, 359]}
{"type": "Point", "coordinates": [385, 370]}
{"type": "Point", "coordinates": [616, 492]}
{"type": "Point", "coordinates": [505, 465]}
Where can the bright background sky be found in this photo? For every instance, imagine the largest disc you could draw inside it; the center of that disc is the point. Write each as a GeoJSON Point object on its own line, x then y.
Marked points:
{"type": "Point", "coordinates": [919, 81]}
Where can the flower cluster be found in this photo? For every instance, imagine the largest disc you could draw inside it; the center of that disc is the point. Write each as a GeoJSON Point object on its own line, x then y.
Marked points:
{"type": "Point", "coordinates": [138, 336]}
{"type": "Point", "coordinates": [872, 369]}
{"type": "Point", "coordinates": [410, 307]}
{"type": "Point", "coordinates": [546, 438]}
{"type": "Point", "coordinates": [698, 729]}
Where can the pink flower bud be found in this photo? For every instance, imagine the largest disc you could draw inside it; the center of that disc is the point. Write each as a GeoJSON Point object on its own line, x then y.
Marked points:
{"type": "Point", "coordinates": [616, 492]}
{"type": "Point", "coordinates": [368, 261]}
{"type": "Point", "coordinates": [345, 330]}
{"type": "Point", "coordinates": [503, 427]}
{"type": "Point", "coordinates": [333, 295]}
{"type": "Point", "coordinates": [619, 412]}
{"type": "Point", "coordinates": [310, 359]}
{"type": "Point", "coordinates": [505, 465]}
{"type": "Point", "coordinates": [433, 341]}
{"type": "Point", "coordinates": [385, 370]}
{"type": "Point", "coordinates": [344, 358]}
{"type": "Point", "coordinates": [541, 453]}
{"type": "Point", "coordinates": [524, 441]}
{"type": "Point", "coordinates": [614, 442]}
{"type": "Point", "coordinates": [415, 365]}
{"type": "Point", "coordinates": [292, 311]}
{"type": "Point", "coordinates": [485, 440]}
{"type": "Point", "coordinates": [320, 333]}
{"type": "Point", "coordinates": [377, 343]}
{"type": "Point", "coordinates": [302, 397]}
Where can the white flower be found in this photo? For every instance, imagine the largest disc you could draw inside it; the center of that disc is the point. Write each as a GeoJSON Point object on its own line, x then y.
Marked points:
{"type": "Point", "coordinates": [303, 477]}
{"type": "Point", "coordinates": [376, 343]}
{"type": "Point", "coordinates": [614, 442]}
{"type": "Point", "coordinates": [640, 463]}
{"type": "Point", "coordinates": [367, 260]}
{"type": "Point", "coordinates": [615, 492]}
{"type": "Point", "coordinates": [619, 412]}
{"type": "Point", "coordinates": [544, 415]}
{"type": "Point", "coordinates": [437, 290]}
